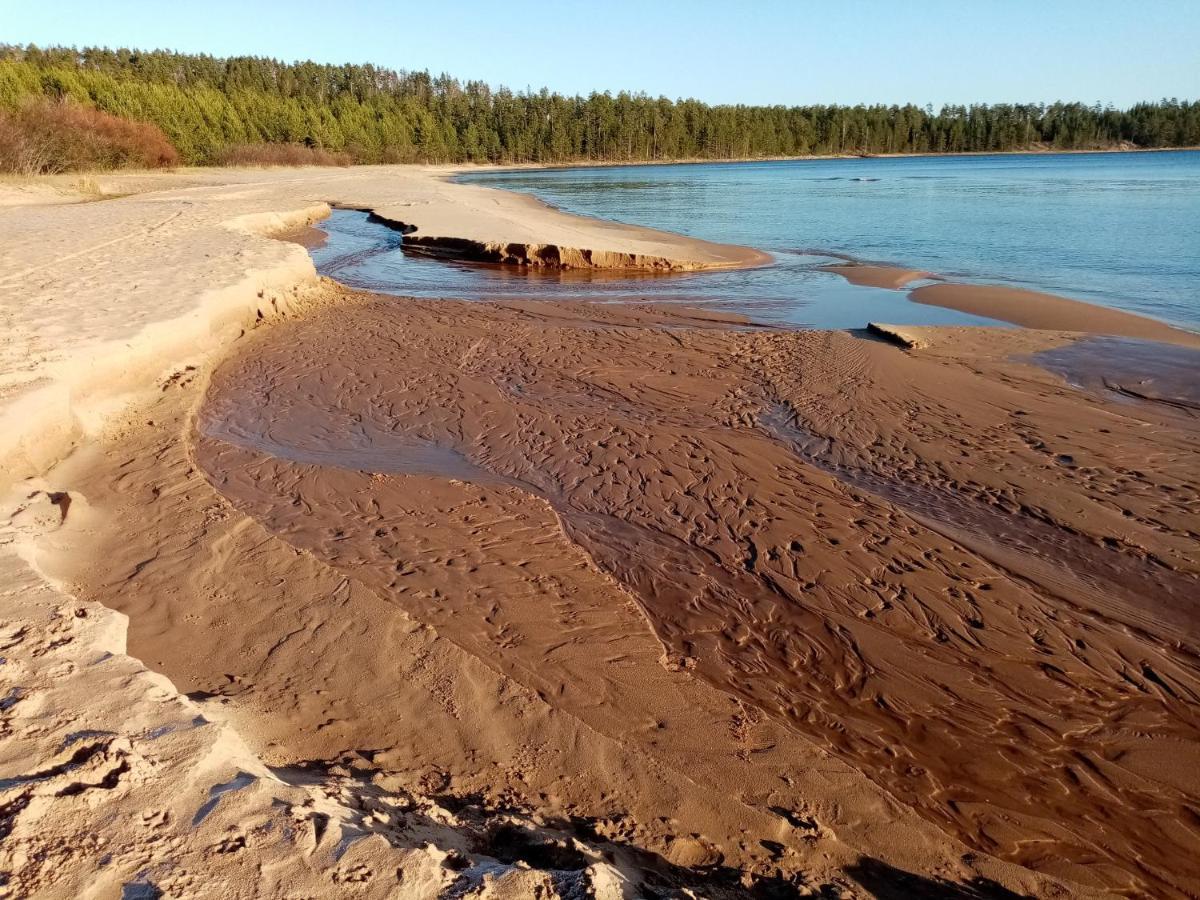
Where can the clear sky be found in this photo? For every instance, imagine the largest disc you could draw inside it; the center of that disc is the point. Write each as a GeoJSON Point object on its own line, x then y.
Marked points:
{"type": "Point", "coordinates": [846, 51]}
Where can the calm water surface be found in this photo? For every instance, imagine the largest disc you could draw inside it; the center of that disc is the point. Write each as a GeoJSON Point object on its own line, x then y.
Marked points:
{"type": "Point", "coordinates": [366, 254]}
{"type": "Point", "coordinates": [1120, 229]}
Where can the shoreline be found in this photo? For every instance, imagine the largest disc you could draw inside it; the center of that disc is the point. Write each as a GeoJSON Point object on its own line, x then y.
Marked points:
{"type": "Point", "coordinates": [1070, 311]}
{"type": "Point", "coordinates": [1049, 312]}
{"type": "Point", "coordinates": [468, 167]}
{"type": "Point", "coordinates": [137, 425]}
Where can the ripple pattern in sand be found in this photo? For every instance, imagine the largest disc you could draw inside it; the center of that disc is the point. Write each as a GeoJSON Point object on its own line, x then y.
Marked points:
{"type": "Point", "coordinates": [991, 682]}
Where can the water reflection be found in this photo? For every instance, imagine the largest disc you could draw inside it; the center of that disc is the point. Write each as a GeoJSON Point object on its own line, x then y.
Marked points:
{"type": "Point", "coordinates": [1129, 368]}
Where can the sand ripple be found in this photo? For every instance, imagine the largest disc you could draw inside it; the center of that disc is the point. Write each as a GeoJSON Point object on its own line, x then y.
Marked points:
{"type": "Point", "coordinates": [946, 569]}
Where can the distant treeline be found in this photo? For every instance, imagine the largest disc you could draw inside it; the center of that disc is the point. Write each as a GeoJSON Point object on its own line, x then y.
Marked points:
{"type": "Point", "coordinates": [206, 106]}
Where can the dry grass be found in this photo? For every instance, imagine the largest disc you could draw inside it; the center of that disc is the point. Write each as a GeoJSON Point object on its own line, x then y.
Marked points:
{"type": "Point", "coordinates": [281, 155]}
{"type": "Point", "coordinates": [48, 136]}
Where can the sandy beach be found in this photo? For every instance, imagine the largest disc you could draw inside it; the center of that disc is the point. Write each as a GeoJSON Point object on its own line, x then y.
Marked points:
{"type": "Point", "coordinates": [313, 591]}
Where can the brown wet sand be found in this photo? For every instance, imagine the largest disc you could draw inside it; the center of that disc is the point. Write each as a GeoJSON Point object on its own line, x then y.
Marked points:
{"type": "Point", "coordinates": [307, 236]}
{"type": "Point", "coordinates": [1126, 367]}
{"type": "Point", "coordinates": [638, 770]}
{"type": "Point", "coordinates": [724, 554]}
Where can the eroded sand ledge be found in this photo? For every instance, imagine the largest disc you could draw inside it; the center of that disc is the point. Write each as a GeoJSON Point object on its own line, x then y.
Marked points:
{"type": "Point", "coordinates": [595, 246]}
{"type": "Point", "coordinates": [798, 810]}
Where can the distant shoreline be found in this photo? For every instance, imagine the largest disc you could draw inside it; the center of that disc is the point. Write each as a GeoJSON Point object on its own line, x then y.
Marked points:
{"type": "Point", "coordinates": [467, 168]}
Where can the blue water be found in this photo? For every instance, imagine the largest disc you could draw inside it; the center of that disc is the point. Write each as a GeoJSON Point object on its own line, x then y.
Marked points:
{"type": "Point", "coordinates": [1122, 230]}
{"type": "Point", "coordinates": [365, 254]}
{"type": "Point", "coordinates": [1119, 229]}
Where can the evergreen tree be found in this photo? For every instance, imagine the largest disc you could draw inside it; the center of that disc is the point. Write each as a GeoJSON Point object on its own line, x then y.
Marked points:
{"type": "Point", "coordinates": [206, 105]}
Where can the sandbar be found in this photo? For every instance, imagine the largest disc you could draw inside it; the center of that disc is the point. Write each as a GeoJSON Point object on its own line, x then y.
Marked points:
{"type": "Point", "coordinates": [1033, 309]}
{"type": "Point", "coordinates": [891, 277]}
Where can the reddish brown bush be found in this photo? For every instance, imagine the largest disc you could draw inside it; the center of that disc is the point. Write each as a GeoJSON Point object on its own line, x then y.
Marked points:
{"type": "Point", "coordinates": [281, 155]}
{"type": "Point", "coordinates": [46, 136]}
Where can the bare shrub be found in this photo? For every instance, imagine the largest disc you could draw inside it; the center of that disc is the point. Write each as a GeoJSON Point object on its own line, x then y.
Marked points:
{"type": "Point", "coordinates": [47, 136]}
{"type": "Point", "coordinates": [281, 155]}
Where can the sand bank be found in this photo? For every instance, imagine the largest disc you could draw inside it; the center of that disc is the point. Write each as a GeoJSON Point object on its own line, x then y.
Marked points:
{"type": "Point", "coordinates": [1029, 309]}
{"type": "Point", "coordinates": [891, 277]}
{"type": "Point", "coordinates": [1032, 309]}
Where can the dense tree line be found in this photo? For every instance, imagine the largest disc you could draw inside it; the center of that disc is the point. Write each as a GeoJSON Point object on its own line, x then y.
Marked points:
{"type": "Point", "coordinates": [206, 104]}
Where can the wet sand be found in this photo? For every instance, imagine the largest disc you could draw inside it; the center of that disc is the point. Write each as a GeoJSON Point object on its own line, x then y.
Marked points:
{"type": "Point", "coordinates": [1130, 368]}
{"type": "Point", "coordinates": [941, 572]}
{"type": "Point", "coordinates": [307, 236]}
{"type": "Point", "coordinates": [548, 599]}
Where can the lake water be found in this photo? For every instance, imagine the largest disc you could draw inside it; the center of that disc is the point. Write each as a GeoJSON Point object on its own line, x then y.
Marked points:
{"type": "Point", "coordinates": [1119, 229]}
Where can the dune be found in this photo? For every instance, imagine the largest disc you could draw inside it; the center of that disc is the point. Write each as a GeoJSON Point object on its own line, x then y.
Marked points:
{"type": "Point", "coordinates": [312, 591]}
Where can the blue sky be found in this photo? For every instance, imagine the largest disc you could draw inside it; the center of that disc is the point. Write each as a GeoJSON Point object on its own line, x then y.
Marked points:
{"type": "Point", "coordinates": [850, 51]}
